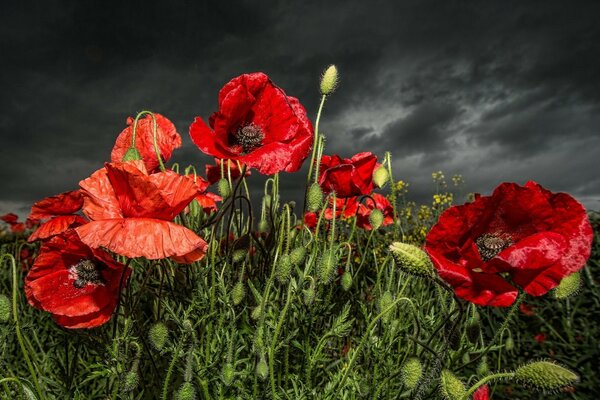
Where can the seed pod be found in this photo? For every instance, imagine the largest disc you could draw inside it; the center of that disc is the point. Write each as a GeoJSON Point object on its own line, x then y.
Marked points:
{"type": "Point", "coordinates": [298, 255]}
{"type": "Point", "coordinates": [284, 268]}
{"type": "Point", "coordinates": [412, 259]}
{"type": "Point", "coordinates": [257, 312]}
{"type": "Point", "coordinates": [347, 281]}
{"type": "Point", "coordinates": [158, 335]}
{"type": "Point", "coordinates": [329, 80]}
{"type": "Point", "coordinates": [327, 265]}
{"type": "Point", "coordinates": [381, 176]}
{"type": "Point", "coordinates": [262, 368]}
{"type": "Point", "coordinates": [131, 381]}
{"type": "Point", "coordinates": [376, 218]}
{"type": "Point", "coordinates": [239, 255]}
{"type": "Point", "coordinates": [314, 197]}
{"type": "Point", "coordinates": [546, 375]}
{"type": "Point", "coordinates": [238, 292]}
{"type": "Point", "coordinates": [568, 287]}
{"type": "Point", "coordinates": [132, 154]}
{"type": "Point", "coordinates": [483, 368]}
{"type": "Point", "coordinates": [223, 187]}
{"type": "Point", "coordinates": [451, 387]}
{"type": "Point", "coordinates": [509, 344]}
{"type": "Point", "coordinates": [186, 392]}
{"type": "Point", "coordinates": [228, 374]}
{"type": "Point", "coordinates": [4, 308]}
{"type": "Point", "coordinates": [412, 371]}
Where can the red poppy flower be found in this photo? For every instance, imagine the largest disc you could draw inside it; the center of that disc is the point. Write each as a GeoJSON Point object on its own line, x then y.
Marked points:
{"type": "Point", "coordinates": [348, 177]}
{"type": "Point", "coordinates": [257, 124]}
{"type": "Point", "coordinates": [78, 285]}
{"type": "Point", "coordinates": [131, 213]}
{"type": "Point", "coordinates": [13, 221]}
{"type": "Point", "coordinates": [206, 200]}
{"type": "Point", "coordinates": [167, 139]}
{"type": "Point", "coordinates": [482, 393]}
{"type": "Point", "coordinates": [526, 309]}
{"type": "Point", "coordinates": [61, 210]}
{"type": "Point", "coordinates": [526, 232]}
{"type": "Point", "coordinates": [540, 338]}
{"type": "Point", "coordinates": [310, 220]}
{"type": "Point", "coordinates": [213, 172]}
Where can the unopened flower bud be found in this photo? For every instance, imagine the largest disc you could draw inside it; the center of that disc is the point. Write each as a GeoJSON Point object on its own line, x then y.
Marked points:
{"type": "Point", "coordinates": [223, 187]}
{"type": "Point", "coordinates": [329, 80]}
{"type": "Point", "coordinates": [257, 312]}
{"type": "Point", "coordinates": [314, 197]}
{"type": "Point", "coordinates": [347, 281]}
{"type": "Point", "coordinates": [569, 286]}
{"type": "Point", "coordinates": [228, 374]}
{"type": "Point", "coordinates": [309, 295]}
{"type": "Point", "coordinates": [186, 392]}
{"type": "Point", "coordinates": [385, 300]}
{"type": "Point", "coordinates": [451, 387]}
{"type": "Point", "coordinates": [237, 293]}
{"type": "Point", "coordinates": [546, 375]}
{"type": "Point", "coordinates": [412, 370]}
{"type": "Point", "coordinates": [381, 176]}
{"type": "Point", "coordinates": [267, 200]}
{"type": "Point", "coordinates": [284, 268]}
{"type": "Point", "coordinates": [262, 368]}
{"type": "Point", "coordinates": [412, 259]}
{"type": "Point", "coordinates": [131, 381]}
{"type": "Point", "coordinates": [483, 368]}
{"type": "Point", "coordinates": [509, 344]}
{"type": "Point", "coordinates": [298, 255]}
{"type": "Point", "coordinates": [376, 218]}
{"type": "Point", "coordinates": [4, 308]}
{"type": "Point", "coordinates": [327, 265]}
{"type": "Point", "coordinates": [263, 226]}
{"type": "Point", "coordinates": [132, 154]}
{"type": "Point", "coordinates": [239, 255]}
{"type": "Point", "coordinates": [466, 358]}
{"type": "Point", "coordinates": [158, 335]}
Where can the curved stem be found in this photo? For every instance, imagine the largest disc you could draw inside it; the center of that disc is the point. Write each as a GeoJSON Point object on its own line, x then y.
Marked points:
{"type": "Point", "coordinates": [314, 149]}
{"type": "Point", "coordinates": [485, 380]}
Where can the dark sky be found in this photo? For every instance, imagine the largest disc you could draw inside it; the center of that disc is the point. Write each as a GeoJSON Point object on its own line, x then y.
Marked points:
{"type": "Point", "coordinates": [493, 90]}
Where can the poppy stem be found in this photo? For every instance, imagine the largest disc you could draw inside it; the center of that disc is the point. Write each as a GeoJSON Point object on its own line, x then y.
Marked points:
{"type": "Point", "coordinates": [314, 150]}
{"type": "Point", "coordinates": [485, 380]}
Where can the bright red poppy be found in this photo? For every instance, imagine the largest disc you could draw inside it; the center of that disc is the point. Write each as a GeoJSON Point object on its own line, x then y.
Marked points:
{"type": "Point", "coordinates": [60, 210]}
{"type": "Point", "coordinates": [206, 200]}
{"type": "Point", "coordinates": [131, 213]}
{"type": "Point", "coordinates": [348, 177]}
{"type": "Point", "coordinates": [78, 285]}
{"type": "Point", "coordinates": [258, 125]}
{"type": "Point", "coordinates": [12, 220]}
{"type": "Point", "coordinates": [526, 232]}
{"type": "Point", "coordinates": [482, 393]}
{"type": "Point", "coordinates": [213, 172]}
{"type": "Point", "coordinates": [167, 140]}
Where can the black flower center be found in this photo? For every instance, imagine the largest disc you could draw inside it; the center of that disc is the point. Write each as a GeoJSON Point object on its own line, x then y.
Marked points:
{"type": "Point", "coordinates": [490, 245]}
{"type": "Point", "coordinates": [248, 137]}
{"type": "Point", "coordinates": [87, 271]}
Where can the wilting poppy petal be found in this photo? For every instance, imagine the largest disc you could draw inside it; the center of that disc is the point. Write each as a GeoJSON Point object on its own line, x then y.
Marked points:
{"type": "Point", "coordinates": [55, 226]}
{"type": "Point", "coordinates": [61, 204]}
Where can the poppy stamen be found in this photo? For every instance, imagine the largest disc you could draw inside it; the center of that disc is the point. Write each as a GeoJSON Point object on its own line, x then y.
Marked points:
{"type": "Point", "coordinates": [490, 245]}
{"type": "Point", "coordinates": [248, 137]}
{"type": "Point", "coordinates": [86, 271]}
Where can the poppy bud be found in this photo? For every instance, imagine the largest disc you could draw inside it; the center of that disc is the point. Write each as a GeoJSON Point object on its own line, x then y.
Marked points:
{"type": "Point", "coordinates": [158, 335]}
{"type": "Point", "coordinates": [381, 176]}
{"type": "Point", "coordinates": [412, 259]}
{"type": "Point", "coordinates": [262, 368]}
{"type": "Point", "coordinates": [257, 312]}
{"type": "Point", "coordinates": [412, 370]}
{"type": "Point", "coordinates": [132, 154]}
{"type": "Point", "coordinates": [239, 255]}
{"type": "Point", "coordinates": [376, 218]}
{"type": "Point", "coordinates": [451, 387]}
{"type": "Point", "coordinates": [228, 374]}
{"type": "Point", "coordinates": [509, 344]}
{"type": "Point", "coordinates": [545, 375]}
{"type": "Point", "coordinates": [263, 226]}
{"type": "Point", "coordinates": [267, 200]}
{"type": "Point", "coordinates": [314, 197]}
{"type": "Point", "coordinates": [238, 292]}
{"type": "Point", "coordinates": [298, 255]}
{"type": "Point", "coordinates": [327, 265]}
{"type": "Point", "coordinates": [309, 295]}
{"type": "Point", "coordinates": [347, 281]}
{"type": "Point", "coordinates": [569, 286]}
{"type": "Point", "coordinates": [223, 187]}
{"type": "Point", "coordinates": [466, 358]}
{"type": "Point", "coordinates": [385, 300]}
{"type": "Point", "coordinates": [329, 80]}
{"type": "Point", "coordinates": [131, 381]}
{"type": "Point", "coordinates": [284, 268]}
{"type": "Point", "coordinates": [483, 368]}
{"type": "Point", "coordinates": [186, 392]}
{"type": "Point", "coordinates": [4, 308]}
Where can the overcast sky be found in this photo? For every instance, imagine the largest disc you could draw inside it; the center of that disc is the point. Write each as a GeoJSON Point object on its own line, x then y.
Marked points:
{"type": "Point", "coordinates": [493, 90]}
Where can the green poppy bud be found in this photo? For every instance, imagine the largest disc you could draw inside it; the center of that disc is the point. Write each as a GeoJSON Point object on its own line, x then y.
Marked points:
{"type": "Point", "coordinates": [228, 374]}
{"type": "Point", "coordinates": [412, 371]}
{"type": "Point", "coordinates": [298, 255]}
{"type": "Point", "coordinates": [329, 80]}
{"type": "Point", "coordinates": [376, 218]}
{"type": "Point", "coordinates": [158, 335]}
{"type": "Point", "coordinates": [4, 308]}
{"type": "Point", "coordinates": [347, 281]}
{"type": "Point", "coordinates": [451, 387]}
{"type": "Point", "coordinates": [569, 286]}
{"type": "Point", "coordinates": [131, 381]}
{"type": "Point", "coordinates": [314, 197]}
{"type": "Point", "coordinates": [483, 368]}
{"type": "Point", "coordinates": [223, 187]}
{"type": "Point", "coordinates": [509, 344]}
{"type": "Point", "coordinates": [412, 259]}
{"type": "Point", "coordinates": [186, 392]}
{"type": "Point", "coordinates": [284, 268]}
{"type": "Point", "coordinates": [546, 375]}
{"type": "Point", "coordinates": [327, 265]}
{"type": "Point", "coordinates": [381, 176]}
{"type": "Point", "coordinates": [132, 154]}
{"type": "Point", "coordinates": [263, 226]}
{"type": "Point", "coordinates": [239, 255]}
{"type": "Point", "coordinates": [309, 295]}
{"type": "Point", "coordinates": [256, 313]}
{"type": "Point", "coordinates": [262, 368]}
{"type": "Point", "coordinates": [238, 292]}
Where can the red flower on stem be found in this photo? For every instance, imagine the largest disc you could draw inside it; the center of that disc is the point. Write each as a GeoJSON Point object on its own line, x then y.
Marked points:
{"type": "Point", "coordinates": [131, 213]}
{"type": "Point", "coordinates": [482, 393]}
{"type": "Point", "coordinates": [527, 233]}
{"type": "Point", "coordinates": [167, 140]}
{"type": "Point", "coordinates": [348, 177]}
{"type": "Point", "coordinates": [78, 285]}
{"type": "Point", "coordinates": [213, 172]}
{"type": "Point", "coordinates": [257, 124]}
{"type": "Point", "coordinates": [60, 210]}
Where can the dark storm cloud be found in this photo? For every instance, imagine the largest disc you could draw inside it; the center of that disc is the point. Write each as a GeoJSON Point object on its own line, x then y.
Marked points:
{"type": "Point", "coordinates": [495, 91]}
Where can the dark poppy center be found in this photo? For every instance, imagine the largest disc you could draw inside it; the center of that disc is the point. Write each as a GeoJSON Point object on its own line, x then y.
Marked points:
{"type": "Point", "coordinates": [248, 137]}
{"type": "Point", "coordinates": [490, 245]}
{"type": "Point", "coordinates": [87, 271]}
